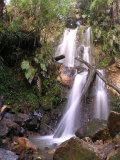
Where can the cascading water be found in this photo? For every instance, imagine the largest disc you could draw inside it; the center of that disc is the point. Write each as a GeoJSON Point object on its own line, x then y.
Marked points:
{"type": "Point", "coordinates": [101, 105]}
{"type": "Point", "coordinates": [71, 119]}
{"type": "Point", "coordinates": [68, 47]}
{"type": "Point", "coordinates": [86, 43]}
{"type": "Point", "coordinates": [85, 48]}
{"type": "Point", "coordinates": [70, 122]}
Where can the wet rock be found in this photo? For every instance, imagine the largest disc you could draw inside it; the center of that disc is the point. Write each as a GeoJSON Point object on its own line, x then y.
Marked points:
{"type": "Point", "coordinates": [22, 153]}
{"type": "Point", "coordinates": [95, 129]}
{"type": "Point", "coordinates": [7, 155]}
{"type": "Point", "coordinates": [37, 115]}
{"type": "Point", "coordinates": [26, 144]}
{"type": "Point", "coordinates": [33, 124]}
{"type": "Point", "coordinates": [3, 128]}
{"type": "Point", "coordinates": [6, 143]}
{"type": "Point", "coordinates": [71, 23]}
{"type": "Point", "coordinates": [65, 78]}
{"type": "Point", "coordinates": [113, 76]}
{"type": "Point", "coordinates": [44, 128]}
{"type": "Point", "coordinates": [51, 151]}
{"type": "Point", "coordinates": [114, 123]}
{"type": "Point", "coordinates": [13, 117]}
{"type": "Point", "coordinates": [75, 148]}
{"type": "Point", "coordinates": [9, 127]}
{"type": "Point", "coordinates": [24, 117]}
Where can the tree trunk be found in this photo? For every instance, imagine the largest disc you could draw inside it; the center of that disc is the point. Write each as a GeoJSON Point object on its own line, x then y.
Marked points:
{"type": "Point", "coordinates": [57, 58]}
{"type": "Point", "coordinates": [92, 73]}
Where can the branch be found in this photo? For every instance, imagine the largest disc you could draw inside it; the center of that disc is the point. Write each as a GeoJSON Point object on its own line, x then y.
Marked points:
{"type": "Point", "coordinates": [57, 58]}
{"type": "Point", "coordinates": [90, 78]}
{"type": "Point", "coordinates": [108, 83]}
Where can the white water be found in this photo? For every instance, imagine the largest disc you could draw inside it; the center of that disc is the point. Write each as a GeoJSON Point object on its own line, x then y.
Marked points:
{"type": "Point", "coordinates": [70, 122]}
{"type": "Point", "coordinates": [101, 106]}
{"type": "Point", "coordinates": [86, 43]}
{"type": "Point", "coordinates": [71, 119]}
{"type": "Point", "coordinates": [68, 47]}
{"type": "Point", "coordinates": [86, 55]}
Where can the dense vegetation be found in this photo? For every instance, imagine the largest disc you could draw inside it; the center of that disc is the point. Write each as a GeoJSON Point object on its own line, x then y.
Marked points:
{"type": "Point", "coordinates": [28, 32]}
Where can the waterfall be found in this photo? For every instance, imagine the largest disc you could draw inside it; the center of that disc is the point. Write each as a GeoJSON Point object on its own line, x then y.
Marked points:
{"type": "Point", "coordinates": [101, 105]}
{"type": "Point", "coordinates": [68, 47]}
{"type": "Point", "coordinates": [71, 120]}
{"type": "Point", "coordinates": [74, 114]}
{"type": "Point", "coordinates": [86, 43]}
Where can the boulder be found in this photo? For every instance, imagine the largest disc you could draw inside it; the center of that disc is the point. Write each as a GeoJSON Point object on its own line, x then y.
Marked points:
{"type": "Point", "coordinates": [13, 117]}
{"type": "Point", "coordinates": [64, 77]}
{"type": "Point", "coordinates": [3, 128]}
{"type": "Point", "coordinates": [114, 123]}
{"type": "Point", "coordinates": [7, 155]}
{"type": "Point", "coordinates": [115, 154]}
{"type": "Point", "coordinates": [33, 124]}
{"type": "Point", "coordinates": [113, 76]}
{"type": "Point", "coordinates": [24, 149]}
{"type": "Point", "coordinates": [24, 117]}
{"type": "Point", "coordinates": [27, 144]}
{"type": "Point", "coordinates": [7, 126]}
{"type": "Point", "coordinates": [76, 149]}
{"type": "Point", "coordinates": [6, 143]}
{"type": "Point", "coordinates": [96, 129]}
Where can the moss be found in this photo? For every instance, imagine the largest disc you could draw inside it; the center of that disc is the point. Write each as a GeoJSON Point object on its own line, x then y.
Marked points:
{"type": "Point", "coordinates": [74, 150]}
{"type": "Point", "coordinates": [80, 32]}
{"type": "Point", "coordinates": [104, 63]}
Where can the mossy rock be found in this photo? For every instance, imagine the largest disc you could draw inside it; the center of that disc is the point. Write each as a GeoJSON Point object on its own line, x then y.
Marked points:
{"type": "Point", "coordinates": [74, 150]}
{"type": "Point", "coordinates": [96, 129]}
{"type": "Point", "coordinates": [114, 123]}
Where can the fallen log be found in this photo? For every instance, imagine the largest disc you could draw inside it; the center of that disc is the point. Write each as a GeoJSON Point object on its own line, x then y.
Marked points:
{"type": "Point", "coordinates": [91, 76]}
{"type": "Point", "coordinates": [57, 58]}
{"type": "Point", "coordinates": [90, 79]}
{"type": "Point", "coordinates": [108, 83]}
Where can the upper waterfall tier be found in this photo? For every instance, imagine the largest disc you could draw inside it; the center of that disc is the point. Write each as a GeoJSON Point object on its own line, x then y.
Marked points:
{"type": "Point", "coordinates": [68, 47]}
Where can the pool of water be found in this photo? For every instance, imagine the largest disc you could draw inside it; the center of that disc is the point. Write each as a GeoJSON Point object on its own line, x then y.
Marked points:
{"type": "Point", "coordinates": [46, 144]}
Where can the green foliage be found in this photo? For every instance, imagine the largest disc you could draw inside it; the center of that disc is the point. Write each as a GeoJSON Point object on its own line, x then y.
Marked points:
{"type": "Point", "coordinates": [30, 71]}
{"type": "Point", "coordinates": [16, 92]}
{"type": "Point", "coordinates": [97, 4]}
{"type": "Point", "coordinates": [39, 14]}
{"type": "Point", "coordinates": [98, 14]}
{"type": "Point", "coordinates": [40, 64]}
{"type": "Point", "coordinates": [104, 62]}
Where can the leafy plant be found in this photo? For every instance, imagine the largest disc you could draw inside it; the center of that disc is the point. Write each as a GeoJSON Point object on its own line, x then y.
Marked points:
{"type": "Point", "coordinates": [29, 70]}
